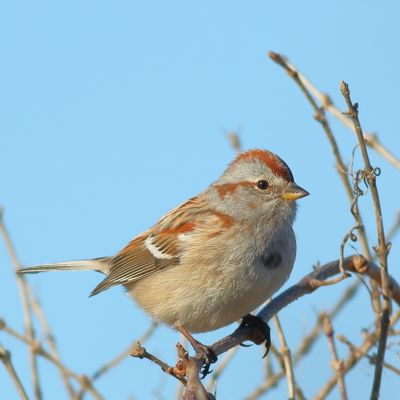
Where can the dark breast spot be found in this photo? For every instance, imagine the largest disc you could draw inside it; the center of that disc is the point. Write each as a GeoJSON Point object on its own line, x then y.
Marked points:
{"type": "Point", "coordinates": [271, 260]}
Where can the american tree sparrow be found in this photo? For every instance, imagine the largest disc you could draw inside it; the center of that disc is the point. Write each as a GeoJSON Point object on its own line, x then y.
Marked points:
{"type": "Point", "coordinates": [215, 258]}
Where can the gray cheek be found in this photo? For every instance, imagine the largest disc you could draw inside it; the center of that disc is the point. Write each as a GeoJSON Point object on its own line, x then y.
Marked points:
{"type": "Point", "coordinates": [271, 260]}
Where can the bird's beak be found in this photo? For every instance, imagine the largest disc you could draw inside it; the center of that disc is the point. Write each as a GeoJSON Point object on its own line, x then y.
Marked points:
{"type": "Point", "coordinates": [294, 192]}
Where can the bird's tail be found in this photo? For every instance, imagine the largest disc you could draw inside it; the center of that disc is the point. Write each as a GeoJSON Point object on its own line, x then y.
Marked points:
{"type": "Point", "coordinates": [96, 264]}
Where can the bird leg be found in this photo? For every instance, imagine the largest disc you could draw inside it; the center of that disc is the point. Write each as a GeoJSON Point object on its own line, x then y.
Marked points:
{"type": "Point", "coordinates": [203, 351]}
{"type": "Point", "coordinates": [260, 330]}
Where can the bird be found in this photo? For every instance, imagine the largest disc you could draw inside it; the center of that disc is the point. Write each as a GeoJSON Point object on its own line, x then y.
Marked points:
{"type": "Point", "coordinates": [216, 257]}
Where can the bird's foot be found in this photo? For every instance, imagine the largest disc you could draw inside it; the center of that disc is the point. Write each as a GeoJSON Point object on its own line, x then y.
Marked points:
{"type": "Point", "coordinates": [206, 353]}
{"type": "Point", "coordinates": [260, 330]}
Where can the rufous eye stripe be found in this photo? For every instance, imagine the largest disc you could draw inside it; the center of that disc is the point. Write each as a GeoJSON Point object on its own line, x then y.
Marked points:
{"type": "Point", "coordinates": [229, 188]}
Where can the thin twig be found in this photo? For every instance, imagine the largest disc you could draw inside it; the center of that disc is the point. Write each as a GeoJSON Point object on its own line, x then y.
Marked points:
{"type": "Point", "coordinates": [352, 195]}
{"type": "Point", "coordinates": [310, 339]}
{"type": "Point", "coordinates": [26, 308]}
{"type": "Point", "coordinates": [356, 354]}
{"type": "Point", "coordinates": [5, 358]}
{"type": "Point", "coordinates": [119, 357]}
{"type": "Point", "coordinates": [194, 389]}
{"type": "Point", "coordinates": [38, 311]}
{"type": "Point", "coordinates": [382, 249]}
{"type": "Point", "coordinates": [337, 364]}
{"type": "Point", "coordinates": [287, 359]}
{"type": "Point", "coordinates": [38, 349]}
{"type": "Point", "coordinates": [390, 367]}
{"type": "Point", "coordinates": [371, 138]}
{"type": "Point", "coordinates": [234, 141]}
{"type": "Point", "coordinates": [177, 372]}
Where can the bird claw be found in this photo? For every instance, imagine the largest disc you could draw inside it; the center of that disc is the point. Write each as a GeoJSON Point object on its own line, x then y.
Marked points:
{"type": "Point", "coordinates": [208, 356]}
{"type": "Point", "coordinates": [262, 332]}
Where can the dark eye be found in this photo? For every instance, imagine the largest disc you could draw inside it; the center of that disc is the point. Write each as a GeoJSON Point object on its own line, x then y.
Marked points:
{"type": "Point", "coordinates": [262, 184]}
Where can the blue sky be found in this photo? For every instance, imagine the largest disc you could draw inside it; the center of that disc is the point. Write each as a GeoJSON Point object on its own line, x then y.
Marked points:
{"type": "Point", "coordinates": [112, 113]}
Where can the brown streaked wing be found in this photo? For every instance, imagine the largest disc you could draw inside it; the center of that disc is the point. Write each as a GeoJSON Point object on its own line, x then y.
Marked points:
{"type": "Point", "coordinates": [135, 261]}
{"type": "Point", "coordinates": [132, 263]}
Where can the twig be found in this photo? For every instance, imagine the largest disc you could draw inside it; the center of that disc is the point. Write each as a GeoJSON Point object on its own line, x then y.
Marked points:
{"type": "Point", "coordinates": [177, 372]}
{"type": "Point", "coordinates": [5, 358]}
{"type": "Point", "coordinates": [310, 339]}
{"type": "Point", "coordinates": [352, 195]}
{"type": "Point", "coordinates": [340, 165]}
{"type": "Point", "coordinates": [119, 358]}
{"type": "Point", "coordinates": [287, 359]}
{"type": "Point", "coordinates": [272, 379]}
{"type": "Point", "coordinates": [37, 309]}
{"type": "Point", "coordinates": [390, 367]}
{"type": "Point", "coordinates": [26, 308]}
{"type": "Point", "coordinates": [38, 349]}
{"type": "Point", "coordinates": [194, 389]}
{"type": "Point", "coordinates": [336, 363]}
{"type": "Point", "coordinates": [356, 354]}
{"type": "Point", "coordinates": [371, 139]}
{"type": "Point", "coordinates": [382, 249]}
{"type": "Point", "coordinates": [234, 141]}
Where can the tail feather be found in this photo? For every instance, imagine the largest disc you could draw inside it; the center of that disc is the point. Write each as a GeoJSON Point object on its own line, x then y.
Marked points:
{"type": "Point", "coordinates": [96, 264]}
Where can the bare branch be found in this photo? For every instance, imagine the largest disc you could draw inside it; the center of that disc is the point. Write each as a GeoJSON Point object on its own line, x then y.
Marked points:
{"type": "Point", "coordinates": [38, 349]}
{"type": "Point", "coordinates": [356, 354]}
{"type": "Point", "coordinates": [382, 249]}
{"type": "Point", "coordinates": [306, 285]}
{"type": "Point", "coordinates": [38, 311]}
{"type": "Point", "coordinates": [26, 308]}
{"type": "Point", "coordinates": [5, 358]}
{"type": "Point", "coordinates": [287, 359]}
{"type": "Point", "coordinates": [336, 363]}
{"type": "Point", "coordinates": [326, 102]}
{"type": "Point", "coordinates": [177, 372]}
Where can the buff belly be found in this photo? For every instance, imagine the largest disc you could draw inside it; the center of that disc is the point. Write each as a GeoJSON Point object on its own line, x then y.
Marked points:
{"type": "Point", "coordinates": [218, 297]}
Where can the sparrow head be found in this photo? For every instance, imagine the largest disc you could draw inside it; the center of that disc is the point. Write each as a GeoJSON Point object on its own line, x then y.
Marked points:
{"type": "Point", "coordinates": [258, 185]}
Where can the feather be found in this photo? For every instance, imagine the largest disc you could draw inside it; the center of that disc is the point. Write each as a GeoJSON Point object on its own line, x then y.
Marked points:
{"type": "Point", "coordinates": [96, 264]}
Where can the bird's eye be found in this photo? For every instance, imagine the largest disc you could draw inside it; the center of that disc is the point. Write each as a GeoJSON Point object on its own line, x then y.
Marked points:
{"type": "Point", "coordinates": [262, 184]}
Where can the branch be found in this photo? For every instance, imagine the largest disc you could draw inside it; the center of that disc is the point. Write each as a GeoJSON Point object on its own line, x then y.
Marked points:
{"type": "Point", "coordinates": [382, 249]}
{"type": "Point", "coordinates": [336, 363]}
{"type": "Point", "coordinates": [308, 284]}
{"type": "Point", "coordinates": [326, 102]}
{"type": "Point", "coordinates": [356, 354]}
{"type": "Point", "coordinates": [37, 349]}
{"type": "Point", "coordinates": [5, 358]}
{"type": "Point", "coordinates": [287, 359]}
{"type": "Point", "coordinates": [26, 307]}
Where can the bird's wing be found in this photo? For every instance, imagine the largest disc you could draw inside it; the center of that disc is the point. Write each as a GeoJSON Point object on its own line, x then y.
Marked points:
{"type": "Point", "coordinates": [159, 248]}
